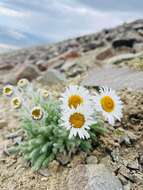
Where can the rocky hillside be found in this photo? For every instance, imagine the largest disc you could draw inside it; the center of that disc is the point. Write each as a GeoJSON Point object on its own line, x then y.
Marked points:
{"type": "Point", "coordinates": [123, 43]}
{"type": "Point", "coordinates": [112, 57]}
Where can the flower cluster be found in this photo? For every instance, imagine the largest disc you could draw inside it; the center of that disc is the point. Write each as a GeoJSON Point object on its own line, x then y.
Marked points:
{"type": "Point", "coordinates": [78, 109]}
{"type": "Point", "coordinates": [62, 126]}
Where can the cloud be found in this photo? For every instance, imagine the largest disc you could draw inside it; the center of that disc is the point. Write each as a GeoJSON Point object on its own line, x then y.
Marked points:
{"type": "Point", "coordinates": [55, 20]}
{"type": "Point", "coordinates": [16, 34]}
{"type": "Point", "coordinates": [5, 11]}
{"type": "Point", "coordinates": [112, 5]}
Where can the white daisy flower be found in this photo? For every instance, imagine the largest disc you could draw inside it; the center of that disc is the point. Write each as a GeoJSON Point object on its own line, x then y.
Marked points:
{"type": "Point", "coordinates": [109, 104]}
{"type": "Point", "coordinates": [75, 96]}
{"type": "Point", "coordinates": [78, 121]}
{"type": "Point", "coordinates": [37, 113]}
{"type": "Point", "coordinates": [8, 90]}
{"type": "Point", "coordinates": [23, 83]}
{"type": "Point", "coordinates": [16, 102]}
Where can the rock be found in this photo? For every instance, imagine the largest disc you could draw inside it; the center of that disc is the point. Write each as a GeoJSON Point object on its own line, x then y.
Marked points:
{"type": "Point", "coordinates": [115, 155]}
{"type": "Point", "coordinates": [51, 77]}
{"type": "Point", "coordinates": [6, 66]}
{"type": "Point", "coordinates": [72, 54]}
{"type": "Point", "coordinates": [106, 53]}
{"type": "Point", "coordinates": [67, 65]}
{"type": "Point", "coordinates": [93, 45]}
{"type": "Point", "coordinates": [92, 177]}
{"type": "Point", "coordinates": [120, 58]}
{"type": "Point", "coordinates": [63, 159]}
{"type": "Point", "coordinates": [139, 46]}
{"type": "Point", "coordinates": [125, 136]}
{"type": "Point", "coordinates": [126, 173]}
{"type": "Point", "coordinates": [75, 72]}
{"type": "Point", "coordinates": [9, 78]}
{"type": "Point", "coordinates": [138, 26]}
{"type": "Point", "coordinates": [127, 186]}
{"type": "Point", "coordinates": [3, 123]}
{"type": "Point", "coordinates": [42, 65]}
{"type": "Point", "coordinates": [134, 165]}
{"type": "Point", "coordinates": [126, 40]}
{"type": "Point", "coordinates": [44, 172]}
{"type": "Point", "coordinates": [125, 139]}
{"type": "Point", "coordinates": [32, 57]}
{"type": "Point", "coordinates": [123, 180]}
{"type": "Point", "coordinates": [111, 77]}
{"type": "Point", "coordinates": [138, 178]}
{"type": "Point", "coordinates": [91, 160]}
{"type": "Point", "coordinates": [141, 159]}
{"type": "Point", "coordinates": [15, 134]}
{"type": "Point", "coordinates": [123, 43]}
{"type": "Point", "coordinates": [132, 136]}
{"type": "Point", "coordinates": [27, 71]}
{"type": "Point", "coordinates": [107, 161]}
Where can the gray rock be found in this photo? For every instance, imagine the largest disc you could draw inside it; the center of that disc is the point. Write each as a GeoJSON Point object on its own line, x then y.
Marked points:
{"type": "Point", "coordinates": [63, 159]}
{"type": "Point", "coordinates": [134, 165]}
{"type": "Point", "coordinates": [26, 71]}
{"type": "Point", "coordinates": [44, 172]}
{"type": "Point", "coordinates": [115, 155]}
{"type": "Point", "coordinates": [125, 172]}
{"type": "Point", "coordinates": [127, 186]}
{"type": "Point", "coordinates": [91, 160]}
{"type": "Point", "coordinates": [68, 64]}
{"type": "Point", "coordinates": [116, 78]}
{"type": "Point", "coordinates": [139, 46]}
{"type": "Point", "coordinates": [125, 139]}
{"type": "Point", "coordinates": [51, 77]}
{"type": "Point", "coordinates": [92, 177]}
{"type": "Point", "coordinates": [132, 136]}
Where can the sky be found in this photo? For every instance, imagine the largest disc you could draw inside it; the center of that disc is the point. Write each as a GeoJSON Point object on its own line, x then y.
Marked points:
{"type": "Point", "coordinates": [29, 22]}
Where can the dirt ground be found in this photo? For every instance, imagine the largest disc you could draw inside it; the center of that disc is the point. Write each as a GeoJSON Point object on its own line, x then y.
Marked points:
{"type": "Point", "coordinates": [15, 174]}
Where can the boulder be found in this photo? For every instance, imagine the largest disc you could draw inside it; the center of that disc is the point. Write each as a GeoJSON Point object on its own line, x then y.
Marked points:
{"type": "Point", "coordinates": [51, 77]}
{"type": "Point", "coordinates": [113, 77]}
{"type": "Point", "coordinates": [105, 53]}
{"type": "Point", "coordinates": [127, 39]}
{"type": "Point", "coordinates": [123, 43]}
{"type": "Point", "coordinates": [42, 65]}
{"type": "Point", "coordinates": [6, 66]}
{"type": "Point", "coordinates": [27, 71]}
{"type": "Point", "coordinates": [120, 58]}
{"type": "Point", "coordinates": [92, 177]}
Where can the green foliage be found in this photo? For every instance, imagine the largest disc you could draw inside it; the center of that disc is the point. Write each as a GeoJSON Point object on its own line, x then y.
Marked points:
{"type": "Point", "coordinates": [45, 139]}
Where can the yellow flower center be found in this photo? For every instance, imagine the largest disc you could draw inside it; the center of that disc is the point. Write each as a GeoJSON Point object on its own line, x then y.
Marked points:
{"type": "Point", "coordinates": [45, 94]}
{"type": "Point", "coordinates": [107, 103]}
{"type": "Point", "coordinates": [23, 82]}
{"type": "Point", "coordinates": [37, 113]}
{"type": "Point", "coordinates": [16, 103]}
{"type": "Point", "coordinates": [8, 90]}
{"type": "Point", "coordinates": [75, 101]}
{"type": "Point", "coordinates": [77, 120]}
